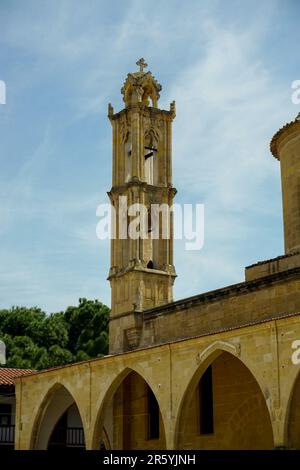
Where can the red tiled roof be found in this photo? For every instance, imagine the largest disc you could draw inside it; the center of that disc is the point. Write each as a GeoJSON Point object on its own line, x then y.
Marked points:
{"type": "Point", "coordinates": [7, 375]}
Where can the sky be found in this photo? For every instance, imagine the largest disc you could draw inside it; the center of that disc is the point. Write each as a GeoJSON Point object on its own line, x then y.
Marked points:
{"type": "Point", "coordinates": [228, 65]}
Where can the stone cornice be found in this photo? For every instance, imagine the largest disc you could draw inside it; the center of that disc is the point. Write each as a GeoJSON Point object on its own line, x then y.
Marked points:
{"type": "Point", "coordinates": [282, 133]}
{"type": "Point", "coordinates": [216, 295]}
{"type": "Point", "coordinates": [138, 267]}
{"type": "Point", "coordinates": [136, 183]}
{"type": "Point", "coordinates": [146, 110]}
{"type": "Point", "coordinates": [158, 346]}
{"type": "Point", "coordinates": [260, 263]}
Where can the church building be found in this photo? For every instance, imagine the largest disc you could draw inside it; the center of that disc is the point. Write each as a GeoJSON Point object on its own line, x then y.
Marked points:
{"type": "Point", "coordinates": [219, 370]}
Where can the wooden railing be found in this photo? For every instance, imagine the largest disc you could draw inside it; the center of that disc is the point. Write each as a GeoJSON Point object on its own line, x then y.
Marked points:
{"type": "Point", "coordinates": [75, 437]}
{"type": "Point", "coordinates": [67, 437]}
{"type": "Point", "coordinates": [7, 434]}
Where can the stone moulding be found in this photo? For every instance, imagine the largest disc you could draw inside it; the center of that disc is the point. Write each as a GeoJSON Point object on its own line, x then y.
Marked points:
{"type": "Point", "coordinates": [234, 349]}
{"type": "Point", "coordinates": [281, 134]}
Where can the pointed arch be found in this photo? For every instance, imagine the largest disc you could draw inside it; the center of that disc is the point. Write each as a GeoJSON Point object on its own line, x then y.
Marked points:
{"type": "Point", "coordinates": [105, 443]}
{"type": "Point", "coordinates": [217, 347]}
{"type": "Point", "coordinates": [292, 413]}
{"type": "Point", "coordinates": [55, 402]}
{"type": "Point", "coordinates": [211, 357]}
{"type": "Point", "coordinates": [106, 399]}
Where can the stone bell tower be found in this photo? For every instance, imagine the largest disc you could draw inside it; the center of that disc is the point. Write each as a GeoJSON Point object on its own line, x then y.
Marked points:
{"type": "Point", "coordinates": [142, 271]}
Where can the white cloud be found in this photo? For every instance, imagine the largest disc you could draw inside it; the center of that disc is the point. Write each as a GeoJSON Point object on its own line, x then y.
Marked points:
{"type": "Point", "coordinates": [229, 103]}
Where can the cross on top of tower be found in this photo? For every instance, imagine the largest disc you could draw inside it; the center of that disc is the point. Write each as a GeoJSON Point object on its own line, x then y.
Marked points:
{"type": "Point", "coordinates": [140, 86]}
{"type": "Point", "coordinates": [142, 64]}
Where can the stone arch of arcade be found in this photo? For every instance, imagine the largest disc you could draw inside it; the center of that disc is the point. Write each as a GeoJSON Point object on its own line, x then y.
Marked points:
{"type": "Point", "coordinates": [59, 421]}
{"type": "Point", "coordinates": [292, 411]}
{"type": "Point", "coordinates": [223, 406]}
{"type": "Point", "coordinates": [129, 414]}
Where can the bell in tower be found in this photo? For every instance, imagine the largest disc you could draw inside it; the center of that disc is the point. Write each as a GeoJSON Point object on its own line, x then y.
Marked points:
{"type": "Point", "coordinates": [142, 271]}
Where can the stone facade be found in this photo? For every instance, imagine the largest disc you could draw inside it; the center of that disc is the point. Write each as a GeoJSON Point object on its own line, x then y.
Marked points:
{"type": "Point", "coordinates": [244, 334]}
{"type": "Point", "coordinates": [255, 388]}
{"type": "Point", "coordinates": [142, 271]}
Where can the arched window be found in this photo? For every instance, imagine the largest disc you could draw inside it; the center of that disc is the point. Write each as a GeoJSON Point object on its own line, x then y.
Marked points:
{"type": "Point", "coordinates": [132, 409]}
{"type": "Point", "coordinates": [224, 409]}
{"type": "Point", "coordinates": [150, 157]}
{"type": "Point", "coordinates": [149, 224]}
{"type": "Point", "coordinates": [128, 160]}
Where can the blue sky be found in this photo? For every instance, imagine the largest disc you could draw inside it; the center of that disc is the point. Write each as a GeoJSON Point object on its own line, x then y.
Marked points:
{"type": "Point", "coordinates": [229, 66]}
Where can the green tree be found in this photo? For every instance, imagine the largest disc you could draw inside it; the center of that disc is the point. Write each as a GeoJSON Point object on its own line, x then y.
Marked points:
{"type": "Point", "coordinates": [35, 340]}
{"type": "Point", "coordinates": [88, 327]}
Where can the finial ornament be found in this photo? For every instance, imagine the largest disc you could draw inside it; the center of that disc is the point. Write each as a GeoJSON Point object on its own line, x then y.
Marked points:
{"type": "Point", "coordinates": [141, 87]}
{"type": "Point", "coordinates": [142, 64]}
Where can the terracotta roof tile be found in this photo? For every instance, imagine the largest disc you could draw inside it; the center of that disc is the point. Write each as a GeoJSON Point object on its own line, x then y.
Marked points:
{"type": "Point", "coordinates": [8, 375]}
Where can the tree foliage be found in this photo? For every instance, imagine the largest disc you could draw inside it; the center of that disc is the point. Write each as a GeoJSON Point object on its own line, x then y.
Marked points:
{"type": "Point", "coordinates": [35, 340]}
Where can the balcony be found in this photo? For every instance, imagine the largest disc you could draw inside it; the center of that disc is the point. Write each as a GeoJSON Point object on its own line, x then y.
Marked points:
{"type": "Point", "coordinates": [71, 437]}
{"type": "Point", "coordinates": [7, 435]}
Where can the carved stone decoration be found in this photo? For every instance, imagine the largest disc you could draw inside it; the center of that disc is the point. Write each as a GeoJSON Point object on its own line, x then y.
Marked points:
{"type": "Point", "coordinates": [138, 305]}
{"type": "Point", "coordinates": [110, 110]}
{"type": "Point", "coordinates": [140, 87]}
{"type": "Point", "coordinates": [124, 132]}
{"type": "Point", "coordinates": [142, 64]}
{"type": "Point", "coordinates": [276, 414]}
{"type": "Point", "coordinates": [146, 122]}
{"type": "Point", "coordinates": [125, 128]}
{"type": "Point", "coordinates": [234, 349]}
{"type": "Point", "coordinates": [161, 124]}
{"type": "Point", "coordinates": [139, 91]}
{"type": "Point", "coordinates": [132, 336]}
{"type": "Point", "coordinates": [173, 108]}
{"type": "Point", "coordinates": [152, 134]}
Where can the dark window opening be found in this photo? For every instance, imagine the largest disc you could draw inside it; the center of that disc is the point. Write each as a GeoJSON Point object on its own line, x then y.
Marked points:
{"type": "Point", "coordinates": [5, 414]}
{"type": "Point", "coordinates": [102, 445]}
{"type": "Point", "coordinates": [151, 153]}
{"type": "Point", "coordinates": [127, 163]}
{"type": "Point", "coordinates": [149, 221]}
{"type": "Point", "coordinates": [59, 434]}
{"type": "Point", "coordinates": [153, 416]}
{"type": "Point", "coordinates": [150, 265]}
{"type": "Point", "coordinates": [64, 436]}
{"type": "Point", "coordinates": [206, 405]}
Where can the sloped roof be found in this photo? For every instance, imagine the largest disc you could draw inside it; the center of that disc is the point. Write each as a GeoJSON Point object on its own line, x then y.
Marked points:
{"type": "Point", "coordinates": [8, 375]}
{"type": "Point", "coordinates": [293, 125]}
